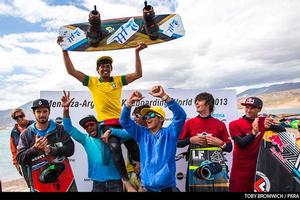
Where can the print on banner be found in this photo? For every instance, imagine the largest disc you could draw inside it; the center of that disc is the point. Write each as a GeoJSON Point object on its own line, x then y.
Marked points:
{"type": "Point", "coordinates": [296, 169]}
{"type": "Point", "coordinates": [83, 105]}
{"type": "Point", "coordinates": [262, 183]}
{"type": "Point", "coordinates": [124, 32]}
{"type": "Point", "coordinates": [171, 27]}
{"type": "Point", "coordinates": [75, 39]}
{"type": "Point", "coordinates": [216, 157]}
{"type": "Point", "coordinates": [197, 155]}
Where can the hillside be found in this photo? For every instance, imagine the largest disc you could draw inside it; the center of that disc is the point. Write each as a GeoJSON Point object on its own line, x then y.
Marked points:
{"type": "Point", "coordinates": [278, 100]}
{"type": "Point", "coordinates": [6, 121]}
{"type": "Point", "coordinates": [270, 89]}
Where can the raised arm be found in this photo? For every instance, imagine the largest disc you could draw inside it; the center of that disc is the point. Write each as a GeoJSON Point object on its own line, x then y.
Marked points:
{"type": "Point", "coordinates": [126, 122]}
{"type": "Point", "coordinates": [68, 127]}
{"type": "Point", "coordinates": [69, 65]}
{"type": "Point", "coordinates": [70, 68]}
{"type": "Point", "coordinates": [138, 65]}
{"type": "Point", "coordinates": [179, 115]}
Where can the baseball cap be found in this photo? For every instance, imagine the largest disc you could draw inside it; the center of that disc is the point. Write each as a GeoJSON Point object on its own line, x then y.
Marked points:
{"type": "Point", "coordinates": [157, 109]}
{"type": "Point", "coordinates": [86, 119]}
{"type": "Point", "coordinates": [253, 101]}
{"type": "Point", "coordinates": [39, 103]}
{"type": "Point", "coordinates": [102, 58]}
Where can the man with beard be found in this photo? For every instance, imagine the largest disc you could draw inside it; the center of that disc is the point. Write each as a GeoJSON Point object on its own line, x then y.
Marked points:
{"type": "Point", "coordinates": [101, 167]}
{"type": "Point", "coordinates": [43, 138]}
{"type": "Point", "coordinates": [21, 124]}
{"type": "Point", "coordinates": [247, 133]}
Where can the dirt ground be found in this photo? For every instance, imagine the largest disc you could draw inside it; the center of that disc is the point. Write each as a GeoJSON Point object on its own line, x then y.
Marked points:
{"type": "Point", "coordinates": [18, 185]}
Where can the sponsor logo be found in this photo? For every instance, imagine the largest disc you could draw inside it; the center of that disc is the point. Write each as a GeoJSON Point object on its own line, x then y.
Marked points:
{"type": "Point", "coordinates": [278, 154]}
{"type": "Point", "coordinates": [172, 27]}
{"type": "Point", "coordinates": [124, 32]}
{"type": "Point", "coordinates": [174, 23]}
{"type": "Point", "coordinates": [113, 85]}
{"type": "Point", "coordinates": [38, 157]}
{"type": "Point", "coordinates": [180, 156]}
{"type": "Point", "coordinates": [262, 183]}
{"type": "Point", "coordinates": [216, 157]}
{"type": "Point", "coordinates": [250, 101]}
{"type": "Point", "coordinates": [39, 165]}
{"type": "Point", "coordinates": [197, 155]}
{"type": "Point", "coordinates": [75, 39]}
{"type": "Point", "coordinates": [59, 159]}
{"type": "Point", "coordinates": [110, 29]}
{"type": "Point", "coordinates": [179, 175]}
{"type": "Point", "coordinates": [277, 142]}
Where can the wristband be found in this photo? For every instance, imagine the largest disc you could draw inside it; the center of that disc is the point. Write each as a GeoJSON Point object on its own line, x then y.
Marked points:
{"type": "Point", "coordinates": [224, 145]}
{"type": "Point", "coordinates": [165, 97]}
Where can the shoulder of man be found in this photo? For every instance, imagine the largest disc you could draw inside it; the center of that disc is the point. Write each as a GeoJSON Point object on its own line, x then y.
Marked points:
{"type": "Point", "coordinates": [28, 134]}
{"type": "Point", "coordinates": [14, 130]}
{"type": "Point", "coordinates": [61, 133]}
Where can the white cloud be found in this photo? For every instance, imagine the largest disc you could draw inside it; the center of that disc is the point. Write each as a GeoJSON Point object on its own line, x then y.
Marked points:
{"type": "Point", "coordinates": [38, 11]}
{"type": "Point", "coordinates": [228, 43]}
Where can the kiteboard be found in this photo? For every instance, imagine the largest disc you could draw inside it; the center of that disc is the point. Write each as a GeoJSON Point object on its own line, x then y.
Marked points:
{"type": "Point", "coordinates": [207, 170]}
{"type": "Point", "coordinates": [49, 173]}
{"type": "Point", "coordinates": [278, 164]}
{"type": "Point", "coordinates": [121, 33]}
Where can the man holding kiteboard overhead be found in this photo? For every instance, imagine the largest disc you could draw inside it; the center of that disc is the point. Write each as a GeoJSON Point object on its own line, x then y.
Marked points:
{"type": "Point", "coordinates": [106, 93]}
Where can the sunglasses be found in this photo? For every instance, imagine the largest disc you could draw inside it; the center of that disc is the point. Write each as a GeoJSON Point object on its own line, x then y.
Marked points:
{"type": "Point", "coordinates": [19, 117]}
{"type": "Point", "coordinates": [88, 124]}
{"type": "Point", "coordinates": [136, 116]}
{"type": "Point", "coordinates": [151, 115]}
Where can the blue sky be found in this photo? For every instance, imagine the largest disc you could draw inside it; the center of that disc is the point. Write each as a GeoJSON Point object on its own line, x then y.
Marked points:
{"type": "Point", "coordinates": [228, 44]}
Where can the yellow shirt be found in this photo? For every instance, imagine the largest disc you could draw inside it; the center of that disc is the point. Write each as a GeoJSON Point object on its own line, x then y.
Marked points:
{"type": "Point", "coordinates": [129, 166]}
{"type": "Point", "coordinates": [106, 95]}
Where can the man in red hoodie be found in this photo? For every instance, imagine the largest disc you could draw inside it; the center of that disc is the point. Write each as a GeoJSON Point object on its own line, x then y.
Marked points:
{"type": "Point", "coordinates": [247, 133]}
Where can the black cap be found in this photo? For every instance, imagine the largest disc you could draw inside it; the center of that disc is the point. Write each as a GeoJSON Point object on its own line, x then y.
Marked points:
{"type": "Point", "coordinates": [86, 119]}
{"type": "Point", "coordinates": [58, 120]}
{"type": "Point", "coordinates": [253, 101]}
{"type": "Point", "coordinates": [40, 103]}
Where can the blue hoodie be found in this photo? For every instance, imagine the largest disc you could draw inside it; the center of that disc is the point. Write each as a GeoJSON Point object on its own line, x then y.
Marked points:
{"type": "Point", "coordinates": [100, 163]}
{"type": "Point", "coordinates": [157, 151]}
{"type": "Point", "coordinates": [51, 127]}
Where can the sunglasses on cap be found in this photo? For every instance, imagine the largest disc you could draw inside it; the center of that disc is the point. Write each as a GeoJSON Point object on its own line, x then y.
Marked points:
{"type": "Point", "coordinates": [88, 124]}
{"type": "Point", "coordinates": [151, 115]}
{"type": "Point", "coordinates": [19, 117]}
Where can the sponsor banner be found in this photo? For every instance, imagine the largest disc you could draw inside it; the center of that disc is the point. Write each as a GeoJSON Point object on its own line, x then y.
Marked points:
{"type": "Point", "coordinates": [278, 164]}
{"type": "Point", "coordinates": [225, 110]}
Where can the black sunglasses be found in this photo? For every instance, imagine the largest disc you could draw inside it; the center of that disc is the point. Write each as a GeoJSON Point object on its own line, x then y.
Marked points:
{"type": "Point", "coordinates": [18, 117]}
{"type": "Point", "coordinates": [136, 116]}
